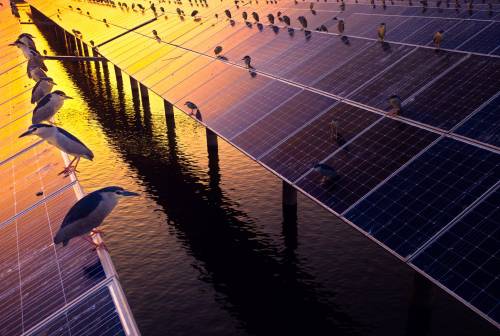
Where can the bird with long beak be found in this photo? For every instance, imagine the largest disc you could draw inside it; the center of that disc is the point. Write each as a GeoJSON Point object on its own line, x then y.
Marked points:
{"type": "Point", "coordinates": [192, 106]}
{"type": "Point", "coordinates": [30, 54]}
{"type": "Point", "coordinates": [41, 88]}
{"type": "Point", "coordinates": [27, 39]}
{"type": "Point", "coordinates": [63, 140]}
{"type": "Point", "coordinates": [395, 102]}
{"type": "Point", "coordinates": [89, 213]}
{"type": "Point", "coordinates": [327, 172]}
{"type": "Point", "coordinates": [381, 32]}
{"type": "Point", "coordinates": [248, 62]}
{"type": "Point", "coordinates": [48, 106]}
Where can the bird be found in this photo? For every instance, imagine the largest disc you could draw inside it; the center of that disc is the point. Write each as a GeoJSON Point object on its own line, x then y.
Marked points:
{"type": "Point", "coordinates": [327, 172]}
{"type": "Point", "coordinates": [303, 21]}
{"type": "Point", "coordinates": [244, 15]}
{"type": "Point", "coordinates": [88, 213]}
{"type": "Point", "coordinates": [270, 18]}
{"type": "Point", "coordinates": [395, 102]}
{"type": "Point", "coordinates": [27, 39]}
{"type": "Point", "coordinates": [141, 7]}
{"type": "Point", "coordinates": [438, 37]}
{"type": "Point", "coordinates": [35, 72]}
{"type": "Point", "coordinates": [341, 27]}
{"type": "Point", "coordinates": [228, 13]}
{"type": "Point", "coordinates": [217, 50]}
{"type": "Point", "coordinates": [255, 16]}
{"type": "Point", "coordinates": [42, 87]}
{"type": "Point", "coordinates": [247, 59]}
{"type": "Point", "coordinates": [48, 106]}
{"type": "Point", "coordinates": [192, 106]}
{"type": "Point", "coordinates": [63, 140]}
{"type": "Point", "coordinates": [286, 20]}
{"type": "Point", "coordinates": [381, 32]}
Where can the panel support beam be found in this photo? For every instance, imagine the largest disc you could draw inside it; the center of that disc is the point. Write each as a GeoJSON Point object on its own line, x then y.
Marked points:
{"type": "Point", "coordinates": [169, 114]}
{"type": "Point", "coordinates": [144, 95]}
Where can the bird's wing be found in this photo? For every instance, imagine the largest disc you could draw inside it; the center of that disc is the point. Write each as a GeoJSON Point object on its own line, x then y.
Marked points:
{"type": "Point", "coordinates": [82, 208]}
{"type": "Point", "coordinates": [72, 137]}
{"type": "Point", "coordinates": [33, 98]}
{"type": "Point", "coordinates": [45, 100]}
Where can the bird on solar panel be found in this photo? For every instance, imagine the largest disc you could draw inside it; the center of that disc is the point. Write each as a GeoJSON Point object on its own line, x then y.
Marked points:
{"type": "Point", "coordinates": [27, 39]}
{"type": "Point", "coordinates": [41, 88]}
{"type": "Point", "coordinates": [255, 17]}
{"type": "Point", "coordinates": [30, 54]}
{"type": "Point", "coordinates": [395, 102]}
{"type": "Point", "coordinates": [192, 106]}
{"type": "Point", "coordinates": [270, 18]}
{"type": "Point", "coordinates": [35, 72]}
{"type": "Point", "coordinates": [88, 213]}
{"type": "Point", "coordinates": [286, 20]}
{"type": "Point", "coordinates": [244, 15]}
{"type": "Point", "coordinates": [48, 106]}
{"type": "Point", "coordinates": [342, 5]}
{"type": "Point", "coordinates": [381, 32]}
{"type": "Point", "coordinates": [303, 21]}
{"type": "Point", "coordinates": [248, 62]}
{"type": "Point", "coordinates": [311, 8]}
{"type": "Point", "coordinates": [341, 26]}
{"type": "Point", "coordinates": [63, 140]}
{"type": "Point", "coordinates": [327, 172]}
{"type": "Point", "coordinates": [155, 34]}
{"type": "Point", "coordinates": [438, 37]}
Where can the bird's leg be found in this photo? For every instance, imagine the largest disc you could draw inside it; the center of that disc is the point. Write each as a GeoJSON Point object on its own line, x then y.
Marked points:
{"type": "Point", "coordinates": [69, 169]}
{"type": "Point", "coordinates": [97, 231]}
{"type": "Point", "coordinates": [76, 164]}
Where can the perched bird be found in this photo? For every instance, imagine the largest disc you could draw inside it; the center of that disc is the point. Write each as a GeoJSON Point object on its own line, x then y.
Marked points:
{"type": "Point", "coordinates": [63, 140]}
{"type": "Point", "coordinates": [381, 32]}
{"type": "Point", "coordinates": [192, 106]}
{"type": "Point", "coordinates": [228, 13]}
{"type": "Point", "coordinates": [244, 15]}
{"type": "Point", "coordinates": [286, 20]}
{"type": "Point", "coordinates": [42, 87]}
{"type": "Point", "coordinates": [79, 33]}
{"type": "Point", "coordinates": [48, 106]}
{"type": "Point", "coordinates": [327, 172]}
{"type": "Point", "coordinates": [302, 21]}
{"type": "Point", "coordinates": [438, 37]}
{"type": "Point", "coordinates": [247, 59]}
{"type": "Point", "coordinates": [270, 18]}
{"type": "Point", "coordinates": [35, 72]}
{"type": "Point", "coordinates": [141, 7]}
{"type": "Point", "coordinates": [341, 27]}
{"type": "Point", "coordinates": [322, 28]}
{"type": "Point", "coordinates": [30, 54]}
{"type": "Point", "coordinates": [255, 16]}
{"type": "Point", "coordinates": [395, 102]}
{"type": "Point", "coordinates": [27, 39]}
{"type": "Point", "coordinates": [194, 13]}
{"type": "Point", "coordinates": [89, 213]}
{"type": "Point", "coordinates": [217, 50]}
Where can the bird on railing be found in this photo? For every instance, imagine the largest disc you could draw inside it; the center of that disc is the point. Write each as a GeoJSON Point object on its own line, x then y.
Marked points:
{"type": "Point", "coordinates": [381, 32]}
{"type": "Point", "coordinates": [88, 213]}
{"type": "Point", "coordinates": [30, 54]}
{"type": "Point", "coordinates": [192, 106]}
{"type": "Point", "coordinates": [42, 87]}
{"type": "Point", "coordinates": [438, 37]}
{"type": "Point", "coordinates": [63, 140]}
{"type": "Point", "coordinates": [270, 18]}
{"type": "Point", "coordinates": [302, 21]}
{"type": "Point", "coordinates": [341, 27]}
{"type": "Point", "coordinates": [228, 13]}
{"type": "Point", "coordinates": [286, 20]}
{"type": "Point", "coordinates": [48, 106]}
{"type": "Point", "coordinates": [255, 17]}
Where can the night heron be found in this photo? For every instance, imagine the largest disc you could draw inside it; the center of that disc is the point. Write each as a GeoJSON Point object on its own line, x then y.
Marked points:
{"type": "Point", "coordinates": [327, 172]}
{"type": "Point", "coordinates": [395, 102]}
{"type": "Point", "coordinates": [89, 213]}
{"type": "Point", "coordinates": [248, 60]}
{"type": "Point", "coordinates": [303, 21]}
{"type": "Point", "coordinates": [41, 88]}
{"type": "Point", "coordinates": [63, 140]}
{"type": "Point", "coordinates": [27, 39]}
{"type": "Point", "coordinates": [48, 106]}
{"type": "Point", "coordinates": [30, 54]}
{"type": "Point", "coordinates": [381, 32]}
{"type": "Point", "coordinates": [270, 18]}
{"type": "Point", "coordinates": [35, 72]}
{"type": "Point", "coordinates": [438, 37]}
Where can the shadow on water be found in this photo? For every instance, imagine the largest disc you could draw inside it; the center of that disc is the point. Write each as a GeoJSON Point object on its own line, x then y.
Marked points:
{"type": "Point", "coordinates": [266, 289]}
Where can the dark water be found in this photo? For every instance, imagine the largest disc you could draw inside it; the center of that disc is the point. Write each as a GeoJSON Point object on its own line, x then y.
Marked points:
{"type": "Point", "coordinates": [204, 250]}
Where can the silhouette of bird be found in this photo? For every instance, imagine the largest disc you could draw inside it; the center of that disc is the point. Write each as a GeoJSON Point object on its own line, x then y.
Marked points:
{"type": "Point", "coordinates": [270, 18]}
{"type": "Point", "coordinates": [247, 59]}
{"type": "Point", "coordinates": [438, 37]}
{"type": "Point", "coordinates": [395, 102]}
{"type": "Point", "coordinates": [228, 13]}
{"type": "Point", "coordinates": [327, 172]}
{"type": "Point", "coordinates": [63, 140]}
{"type": "Point", "coordinates": [286, 20]}
{"type": "Point", "coordinates": [194, 13]}
{"type": "Point", "coordinates": [191, 106]}
{"type": "Point", "coordinates": [88, 213]}
{"type": "Point", "coordinates": [217, 50]}
{"type": "Point", "coordinates": [244, 15]}
{"type": "Point", "coordinates": [48, 106]}
{"type": "Point", "coordinates": [341, 27]}
{"type": "Point", "coordinates": [303, 21]}
{"type": "Point", "coordinates": [42, 87]}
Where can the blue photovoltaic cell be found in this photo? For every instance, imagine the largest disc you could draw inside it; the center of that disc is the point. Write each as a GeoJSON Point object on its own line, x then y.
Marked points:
{"type": "Point", "coordinates": [484, 42]}
{"type": "Point", "coordinates": [457, 94]}
{"type": "Point", "coordinates": [426, 195]}
{"type": "Point", "coordinates": [466, 257]}
{"type": "Point", "coordinates": [425, 35]}
{"type": "Point", "coordinates": [461, 32]}
{"type": "Point", "coordinates": [405, 29]}
{"type": "Point", "coordinates": [365, 162]}
{"type": "Point", "coordinates": [484, 125]}
{"type": "Point", "coordinates": [280, 123]}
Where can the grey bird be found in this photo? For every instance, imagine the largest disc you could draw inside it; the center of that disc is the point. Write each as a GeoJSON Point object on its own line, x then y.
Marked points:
{"type": "Point", "coordinates": [217, 50]}
{"type": "Point", "coordinates": [41, 88]}
{"type": "Point", "coordinates": [248, 60]}
{"type": "Point", "coordinates": [341, 27]}
{"type": "Point", "coordinates": [395, 102]}
{"type": "Point", "coordinates": [327, 172]}
{"type": "Point", "coordinates": [381, 32]}
{"type": "Point", "coordinates": [35, 72]}
{"type": "Point", "coordinates": [30, 54]}
{"type": "Point", "coordinates": [286, 20]}
{"type": "Point", "coordinates": [88, 213]}
{"type": "Point", "coordinates": [27, 39]}
{"type": "Point", "coordinates": [63, 140]}
{"type": "Point", "coordinates": [48, 106]}
{"type": "Point", "coordinates": [192, 106]}
{"type": "Point", "coordinates": [303, 21]}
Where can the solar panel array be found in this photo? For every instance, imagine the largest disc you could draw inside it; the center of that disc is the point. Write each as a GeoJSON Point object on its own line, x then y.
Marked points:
{"type": "Point", "coordinates": [44, 289]}
{"type": "Point", "coordinates": [423, 184]}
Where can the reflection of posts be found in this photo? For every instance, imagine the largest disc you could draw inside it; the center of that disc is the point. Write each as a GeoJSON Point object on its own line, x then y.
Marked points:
{"type": "Point", "coordinates": [212, 144]}
{"type": "Point", "coordinates": [144, 95]}
{"type": "Point", "coordinates": [420, 308]}
{"type": "Point", "coordinates": [135, 88]}
{"type": "Point", "coordinates": [289, 203]}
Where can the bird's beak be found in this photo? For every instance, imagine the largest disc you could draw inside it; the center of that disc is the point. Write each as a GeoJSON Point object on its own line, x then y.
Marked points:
{"type": "Point", "coordinates": [12, 44]}
{"type": "Point", "coordinates": [25, 134]}
{"type": "Point", "coordinates": [68, 97]}
{"type": "Point", "coordinates": [129, 193]}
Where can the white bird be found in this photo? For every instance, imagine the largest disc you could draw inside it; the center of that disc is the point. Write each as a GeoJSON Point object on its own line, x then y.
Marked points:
{"type": "Point", "coordinates": [41, 88]}
{"type": "Point", "coordinates": [48, 106]}
{"type": "Point", "coordinates": [63, 140]}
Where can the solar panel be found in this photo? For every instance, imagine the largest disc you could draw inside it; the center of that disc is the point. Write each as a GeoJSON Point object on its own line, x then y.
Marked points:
{"type": "Point", "coordinates": [462, 32]}
{"type": "Point", "coordinates": [414, 204]}
{"type": "Point", "coordinates": [465, 257]}
{"type": "Point", "coordinates": [485, 41]}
